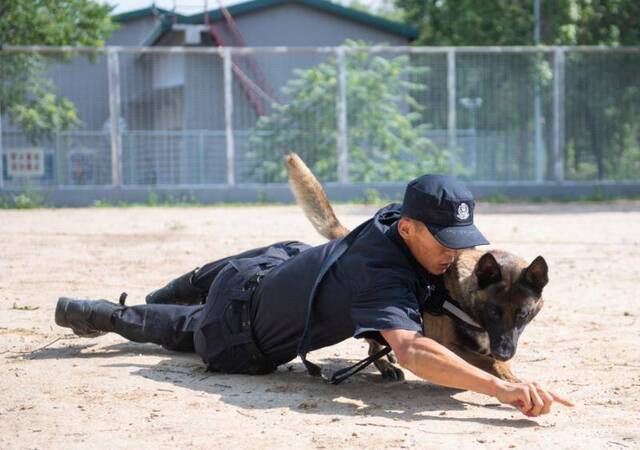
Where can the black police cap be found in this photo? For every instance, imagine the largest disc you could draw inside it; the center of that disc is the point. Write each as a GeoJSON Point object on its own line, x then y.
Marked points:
{"type": "Point", "coordinates": [445, 206]}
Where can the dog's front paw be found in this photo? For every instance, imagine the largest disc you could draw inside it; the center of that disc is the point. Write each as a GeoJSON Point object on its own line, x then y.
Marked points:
{"type": "Point", "coordinates": [511, 378]}
{"type": "Point", "coordinates": [389, 371]}
{"type": "Point", "coordinates": [503, 371]}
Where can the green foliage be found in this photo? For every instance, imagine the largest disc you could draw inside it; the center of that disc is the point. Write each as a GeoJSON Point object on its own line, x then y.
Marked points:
{"type": "Point", "coordinates": [24, 200]}
{"type": "Point", "coordinates": [496, 197]}
{"type": "Point", "coordinates": [25, 94]}
{"type": "Point", "coordinates": [386, 140]}
{"type": "Point", "coordinates": [470, 22]}
{"type": "Point", "coordinates": [602, 92]}
{"type": "Point", "coordinates": [101, 204]}
{"type": "Point", "coordinates": [171, 200]}
{"type": "Point", "coordinates": [381, 8]}
{"type": "Point", "coordinates": [505, 22]}
{"type": "Point", "coordinates": [153, 199]}
{"type": "Point", "coordinates": [607, 104]}
{"type": "Point", "coordinates": [373, 197]}
{"type": "Point", "coordinates": [44, 113]}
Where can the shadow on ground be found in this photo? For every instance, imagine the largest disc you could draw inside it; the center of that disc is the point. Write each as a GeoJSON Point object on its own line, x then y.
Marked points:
{"type": "Point", "coordinates": [364, 395]}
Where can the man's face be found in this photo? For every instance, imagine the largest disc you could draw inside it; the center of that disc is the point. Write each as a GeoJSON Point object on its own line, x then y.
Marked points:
{"type": "Point", "coordinates": [431, 254]}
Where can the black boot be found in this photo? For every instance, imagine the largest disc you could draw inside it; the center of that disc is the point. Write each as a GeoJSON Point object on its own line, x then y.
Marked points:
{"type": "Point", "coordinates": [87, 318]}
{"type": "Point", "coordinates": [181, 290]}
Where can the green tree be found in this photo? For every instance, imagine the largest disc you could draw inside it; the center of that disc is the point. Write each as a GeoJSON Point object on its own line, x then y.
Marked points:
{"type": "Point", "coordinates": [386, 142]}
{"type": "Point", "coordinates": [601, 89]}
{"type": "Point", "coordinates": [25, 93]}
{"type": "Point", "coordinates": [381, 8]}
{"type": "Point", "coordinates": [509, 22]}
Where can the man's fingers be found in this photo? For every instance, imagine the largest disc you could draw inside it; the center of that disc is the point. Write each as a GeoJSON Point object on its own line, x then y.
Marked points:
{"type": "Point", "coordinates": [538, 403]}
{"type": "Point", "coordinates": [525, 401]}
{"type": "Point", "coordinates": [561, 400]}
{"type": "Point", "coordinates": [548, 401]}
{"type": "Point", "coordinates": [535, 400]}
{"type": "Point", "coordinates": [520, 405]}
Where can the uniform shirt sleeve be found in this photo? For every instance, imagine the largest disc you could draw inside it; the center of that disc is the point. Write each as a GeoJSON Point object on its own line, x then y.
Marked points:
{"type": "Point", "coordinates": [385, 308]}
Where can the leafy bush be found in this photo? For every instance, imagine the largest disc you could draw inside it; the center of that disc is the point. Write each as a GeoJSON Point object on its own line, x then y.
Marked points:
{"type": "Point", "coordinates": [386, 141]}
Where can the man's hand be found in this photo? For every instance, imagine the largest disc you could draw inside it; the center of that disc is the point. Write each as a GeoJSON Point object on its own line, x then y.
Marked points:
{"type": "Point", "coordinates": [529, 397]}
{"type": "Point", "coordinates": [435, 363]}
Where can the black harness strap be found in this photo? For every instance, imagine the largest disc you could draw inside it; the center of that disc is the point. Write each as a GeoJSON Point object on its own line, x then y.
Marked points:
{"type": "Point", "coordinates": [337, 252]}
{"type": "Point", "coordinates": [340, 375]}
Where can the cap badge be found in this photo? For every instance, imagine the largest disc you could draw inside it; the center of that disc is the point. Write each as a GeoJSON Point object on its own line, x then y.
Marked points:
{"type": "Point", "coordinates": [463, 211]}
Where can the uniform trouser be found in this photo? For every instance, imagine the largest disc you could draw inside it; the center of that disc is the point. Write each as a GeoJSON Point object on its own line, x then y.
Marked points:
{"type": "Point", "coordinates": [171, 326]}
{"type": "Point", "coordinates": [219, 331]}
{"type": "Point", "coordinates": [206, 274]}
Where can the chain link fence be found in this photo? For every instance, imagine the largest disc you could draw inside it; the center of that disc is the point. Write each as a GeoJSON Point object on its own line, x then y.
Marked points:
{"type": "Point", "coordinates": [196, 116]}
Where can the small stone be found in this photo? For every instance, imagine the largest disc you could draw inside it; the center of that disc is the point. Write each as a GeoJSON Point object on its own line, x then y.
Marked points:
{"type": "Point", "coordinates": [307, 405]}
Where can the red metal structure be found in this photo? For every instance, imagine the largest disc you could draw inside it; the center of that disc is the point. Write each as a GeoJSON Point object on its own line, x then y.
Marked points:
{"type": "Point", "coordinates": [257, 91]}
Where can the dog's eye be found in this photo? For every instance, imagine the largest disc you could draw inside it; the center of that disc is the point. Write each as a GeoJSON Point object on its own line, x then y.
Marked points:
{"type": "Point", "coordinates": [522, 314]}
{"type": "Point", "coordinates": [495, 311]}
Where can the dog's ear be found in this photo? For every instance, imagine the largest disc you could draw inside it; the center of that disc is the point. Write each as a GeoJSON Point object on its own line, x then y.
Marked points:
{"type": "Point", "coordinates": [536, 275]}
{"type": "Point", "coordinates": [487, 271]}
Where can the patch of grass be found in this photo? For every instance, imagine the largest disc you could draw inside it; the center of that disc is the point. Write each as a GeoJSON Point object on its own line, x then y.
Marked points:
{"type": "Point", "coordinates": [373, 197]}
{"type": "Point", "coordinates": [596, 196]}
{"type": "Point", "coordinates": [154, 199]}
{"type": "Point", "coordinates": [496, 197]}
{"type": "Point", "coordinates": [101, 204]}
{"type": "Point", "coordinates": [24, 200]}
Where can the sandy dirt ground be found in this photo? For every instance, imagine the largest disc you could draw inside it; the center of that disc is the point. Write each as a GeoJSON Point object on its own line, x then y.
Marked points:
{"type": "Point", "coordinates": [110, 393]}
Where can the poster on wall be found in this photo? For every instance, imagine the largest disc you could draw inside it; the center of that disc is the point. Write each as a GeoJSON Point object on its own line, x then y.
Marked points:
{"type": "Point", "coordinates": [25, 162]}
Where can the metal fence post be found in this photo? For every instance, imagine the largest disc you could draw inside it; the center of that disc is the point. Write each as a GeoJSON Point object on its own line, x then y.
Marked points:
{"type": "Point", "coordinates": [451, 116]}
{"type": "Point", "coordinates": [113, 68]}
{"type": "Point", "coordinates": [558, 114]}
{"type": "Point", "coordinates": [537, 119]}
{"type": "Point", "coordinates": [228, 116]}
{"type": "Point", "coordinates": [341, 114]}
{"type": "Point", "coordinates": [201, 161]}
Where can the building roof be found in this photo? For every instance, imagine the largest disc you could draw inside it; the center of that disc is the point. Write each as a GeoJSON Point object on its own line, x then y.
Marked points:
{"type": "Point", "coordinates": [250, 6]}
{"type": "Point", "coordinates": [147, 12]}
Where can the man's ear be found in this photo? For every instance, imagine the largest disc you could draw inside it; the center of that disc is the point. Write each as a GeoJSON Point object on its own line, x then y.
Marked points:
{"type": "Point", "coordinates": [536, 275]}
{"type": "Point", "coordinates": [487, 271]}
{"type": "Point", "coordinates": [405, 227]}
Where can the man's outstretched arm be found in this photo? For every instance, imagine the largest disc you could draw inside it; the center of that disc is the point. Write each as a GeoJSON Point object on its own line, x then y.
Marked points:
{"type": "Point", "coordinates": [435, 363]}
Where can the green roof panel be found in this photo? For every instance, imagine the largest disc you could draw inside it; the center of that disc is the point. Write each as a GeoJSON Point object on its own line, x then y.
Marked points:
{"type": "Point", "coordinates": [239, 9]}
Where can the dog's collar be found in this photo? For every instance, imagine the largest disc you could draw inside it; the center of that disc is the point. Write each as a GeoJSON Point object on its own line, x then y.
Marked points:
{"type": "Point", "coordinates": [453, 310]}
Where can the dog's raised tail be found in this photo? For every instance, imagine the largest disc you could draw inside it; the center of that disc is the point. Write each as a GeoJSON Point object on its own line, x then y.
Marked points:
{"type": "Point", "coordinates": [312, 198]}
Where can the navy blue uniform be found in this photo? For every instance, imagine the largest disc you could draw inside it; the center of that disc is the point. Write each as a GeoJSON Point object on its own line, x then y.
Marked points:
{"type": "Point", "coordinates": [254, 316]}
{"type": "Point", "coordinates": [376, 285]}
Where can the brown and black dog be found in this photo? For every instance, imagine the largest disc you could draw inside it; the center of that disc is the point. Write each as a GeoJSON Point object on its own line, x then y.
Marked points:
{"type": "Point", "coordinates": [499, 290]}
